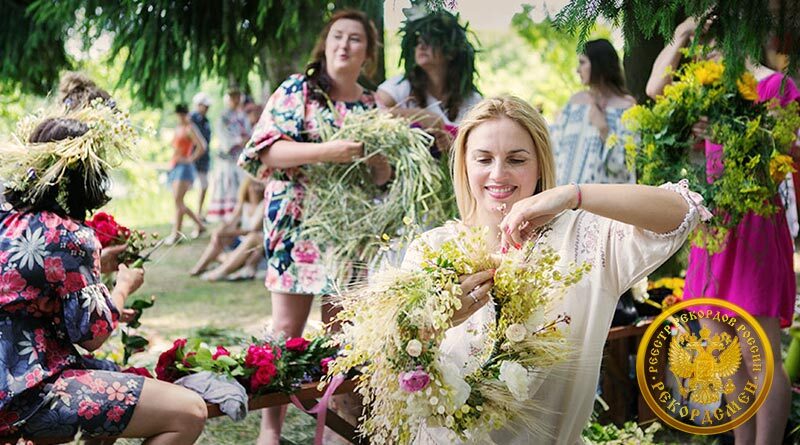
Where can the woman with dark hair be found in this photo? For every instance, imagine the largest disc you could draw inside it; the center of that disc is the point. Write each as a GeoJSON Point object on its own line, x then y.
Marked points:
{"type": "Point", "coordinates": [581, 132]}
{"type": "Point", "coordinates": [438, 87]}
{"type": "Point", "coordinates": [52, 298]}
{"type": "Point", "coordinates": [77, 90]}
{"type": "Point", "coordinates": [284, 140]}
{"type": "Point", "coordinates": [188, 145]}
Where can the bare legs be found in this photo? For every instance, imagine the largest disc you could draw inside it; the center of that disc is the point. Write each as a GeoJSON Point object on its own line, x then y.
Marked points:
{"type": "Point", "coordinates": [219, 239]}
{"type": "Point", "coordinates": [247, 254]}
{"type": "Point", "coordinates": [179, 189]}
{"type": "Point", "coordinates": [167, 414]}
{"type": "Point", "coordinates": [289, 315]}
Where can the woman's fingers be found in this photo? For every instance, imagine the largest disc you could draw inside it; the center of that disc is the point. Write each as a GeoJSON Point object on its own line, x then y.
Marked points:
{"type": "Point", "coordinates": [469, 282]}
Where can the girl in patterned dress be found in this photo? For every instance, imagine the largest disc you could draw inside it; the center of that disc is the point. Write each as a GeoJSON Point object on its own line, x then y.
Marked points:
{"type": "Point", "coordinates": [284, 140]}
{"type": "Point", "coordinates": [52, 300]}
{"type": "Point", "coordinates": [591, 116]}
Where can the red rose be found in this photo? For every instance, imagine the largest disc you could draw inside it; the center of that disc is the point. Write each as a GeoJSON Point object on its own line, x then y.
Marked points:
{"type": "Point", "coordinates": [106, 233]}
{"type": "Point", "coordinates": [262, 377]}
{"type": "Point", "coordinates": [220, 352]}
{"type": "Point", "coordinates": [104, 217]}
{"type": "Point", "coordinates": [186, 359]}
{"type": "Point", "coordinates": [165, 368]}
{"type": "Point", "coordinates": [260, 355]}
{"type": "Point", "coordinates": [138, 371]}
{"type": "Point", "coordinates": [298, 344]}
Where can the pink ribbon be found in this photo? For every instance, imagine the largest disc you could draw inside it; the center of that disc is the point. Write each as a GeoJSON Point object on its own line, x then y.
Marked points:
{"type": "Point", "coordinates": [321, 409]}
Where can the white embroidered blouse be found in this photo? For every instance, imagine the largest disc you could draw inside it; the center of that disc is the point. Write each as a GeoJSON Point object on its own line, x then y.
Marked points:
{"type": "Point", "coordinates": [621, 255]}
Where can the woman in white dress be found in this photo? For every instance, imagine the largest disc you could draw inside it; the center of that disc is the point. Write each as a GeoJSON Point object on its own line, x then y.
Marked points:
{"type": "Point", "coordinates": [438, 87]}
{"type": "Point", "coordinates": [504, 179]}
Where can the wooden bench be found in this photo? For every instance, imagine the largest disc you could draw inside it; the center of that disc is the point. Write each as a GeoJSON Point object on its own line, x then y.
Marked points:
{"type": "Point", "coordinates": [308, 395]}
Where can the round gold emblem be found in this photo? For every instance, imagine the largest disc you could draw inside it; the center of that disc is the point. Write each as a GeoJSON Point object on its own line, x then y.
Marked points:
{"type": "Point", "coordinates": [691, 370]}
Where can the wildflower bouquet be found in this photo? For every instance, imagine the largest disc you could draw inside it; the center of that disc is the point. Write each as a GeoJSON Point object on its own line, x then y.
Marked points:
{"type": "Point", "coordinates": [343, 208]}
{"type": "Point", "coordinates": [260, 366]}
{"type": "Point", "coordinates": [394, 325]}
{"type": "Point", "coordinates": [741, 177]}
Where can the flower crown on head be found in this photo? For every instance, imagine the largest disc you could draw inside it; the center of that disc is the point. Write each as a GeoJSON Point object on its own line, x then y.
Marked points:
{"type": "Point", "coordinates": [34, 168]}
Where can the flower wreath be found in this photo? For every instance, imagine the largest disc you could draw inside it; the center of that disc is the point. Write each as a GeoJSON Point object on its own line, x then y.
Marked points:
{"type": "Point", "coordinates": [34, 168]}
{"type": "Point", "coordinates": [393, 328]}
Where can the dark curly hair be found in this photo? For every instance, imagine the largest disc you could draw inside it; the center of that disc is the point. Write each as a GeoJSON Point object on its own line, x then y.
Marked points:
{"type": "Point", "coordinates": [442, 31]}
{"type": "Point", "coordinates": [316, 70]}
{"type": "Point", "coordinates": [77, 194]}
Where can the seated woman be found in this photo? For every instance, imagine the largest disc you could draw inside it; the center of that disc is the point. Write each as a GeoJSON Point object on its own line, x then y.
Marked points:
{"type": "Point", "coordinates": [502, 160]}
{"type": "Point", "coordinates": [52, 300]}
{"type": "Point", "coordinates": [245, 226]}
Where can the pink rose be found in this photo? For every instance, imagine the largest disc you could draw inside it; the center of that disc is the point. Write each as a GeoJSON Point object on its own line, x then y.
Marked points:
{"type": "Point", "coordinates": [324, 364]}
{"type": "Point", "coordinates": [263, 376]}
{"type": "Point", "coordinates": [220, 352]}
{"type": "Point", "coordinates": [298, 344]}
{"type": "Point", "coordinates": [413, 381]}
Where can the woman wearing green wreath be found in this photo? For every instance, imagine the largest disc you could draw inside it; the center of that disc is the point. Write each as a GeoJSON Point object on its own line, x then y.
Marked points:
{"type": "Point", "coordinates": [438, 87]}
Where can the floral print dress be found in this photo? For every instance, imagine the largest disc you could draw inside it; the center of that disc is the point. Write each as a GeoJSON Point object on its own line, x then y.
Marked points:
{"type": "Point", "coordinates": [294, 265]}
{"type": "Point", "coordinates": [51, 298]}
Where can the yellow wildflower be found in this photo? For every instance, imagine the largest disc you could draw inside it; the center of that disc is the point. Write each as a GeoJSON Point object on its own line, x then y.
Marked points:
{"type": "Point", "coordinates": [747, 86]}
{"type": "Point", "coordinates": [708, 72]}
{"type": "Point", "coordinates": [779, 166]}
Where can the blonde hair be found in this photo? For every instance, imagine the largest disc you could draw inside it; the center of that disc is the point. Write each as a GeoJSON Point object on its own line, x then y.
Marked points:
{"type": "Point", "coordinates": [519, 111]}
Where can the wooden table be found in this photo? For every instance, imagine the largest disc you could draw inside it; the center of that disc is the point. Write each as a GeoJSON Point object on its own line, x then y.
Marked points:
{"type": "Point", "coordinates": [308, 395]}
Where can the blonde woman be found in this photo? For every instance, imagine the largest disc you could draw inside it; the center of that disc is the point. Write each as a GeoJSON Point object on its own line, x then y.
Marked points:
{"type": "Point", "coordinates": [504, 179]}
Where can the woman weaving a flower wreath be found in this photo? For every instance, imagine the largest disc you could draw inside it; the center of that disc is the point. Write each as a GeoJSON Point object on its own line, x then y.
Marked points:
{"type": "Point", "coordinates": [505, 185]}
{"type": "Point", "coordinates": [52, 299]}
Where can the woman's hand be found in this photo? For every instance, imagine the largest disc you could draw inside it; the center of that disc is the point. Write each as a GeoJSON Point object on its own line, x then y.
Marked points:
{"type": "Point", "coordinates": [342, 152]}
{"type": "Point", "coordinates": [700, 131]}
{"type": "Point", "coordinates": [128, 280]}
{"type": "Point", "coordinates": [597, 116]}
{"type": "Point", "coordinates": [442, 138]}
{"type": "Point", "coordinates": [109, 260]}
{"type": "Point", "coordinates": [532, 212]}
{"type": "Point", "coordinates": [380, 169]}
{"type": "Point", "coordinates": [474, 294]}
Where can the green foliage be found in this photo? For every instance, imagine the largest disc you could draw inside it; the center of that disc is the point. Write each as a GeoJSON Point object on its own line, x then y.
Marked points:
{"type": "Point", "coordinates": [31, 53]}
{"type": "Point", "coordinates": [166, 44]}
{"type": "Point", "coordinates": [610, 434]}
{"type": "Point", "coordinates": [558, 52]}
{"type": "Point", "coordinates": [739, 27]}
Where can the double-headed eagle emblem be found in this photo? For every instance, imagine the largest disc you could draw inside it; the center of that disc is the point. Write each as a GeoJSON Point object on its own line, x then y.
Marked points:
{"type": "Point", "coordinates": [693, 359]}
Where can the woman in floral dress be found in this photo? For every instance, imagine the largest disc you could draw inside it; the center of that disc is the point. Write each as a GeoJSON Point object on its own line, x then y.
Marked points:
{"type": "Point", "coordinates": [285, 139]}
{"type": "Point", "coordinates": [52, 299]}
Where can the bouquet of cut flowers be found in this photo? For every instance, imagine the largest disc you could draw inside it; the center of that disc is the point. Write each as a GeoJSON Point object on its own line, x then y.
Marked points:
{"type": "Point", "coordinates": [259, 366]}
{"type": "Point", "coordinates": [110, 233]}
{"type": "Point", "coordinates": [394, 325]}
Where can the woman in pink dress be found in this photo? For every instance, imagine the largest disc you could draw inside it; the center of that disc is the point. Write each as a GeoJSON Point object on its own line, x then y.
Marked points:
{"type": "Point", "coordinates": [755, 268]}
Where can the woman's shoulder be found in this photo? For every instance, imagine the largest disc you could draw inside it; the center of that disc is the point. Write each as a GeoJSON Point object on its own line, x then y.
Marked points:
{"type": "Point", "coordinates": [580, 98]}
{"type": "Point", "coordinates": [392, 82]}
{"type": "Point", "coordinates": [293, 83]}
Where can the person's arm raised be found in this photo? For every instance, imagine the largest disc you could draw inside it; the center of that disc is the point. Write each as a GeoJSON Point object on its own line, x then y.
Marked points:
{"type": "Point", "coordinates": [669, 58]}
{"type": "Point", "coordinates": [651, 208]}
